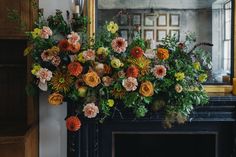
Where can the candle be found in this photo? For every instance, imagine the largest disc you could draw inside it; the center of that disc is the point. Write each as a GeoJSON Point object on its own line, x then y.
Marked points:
{"type": "Point", "coordinates": [77, 9]}
{"type": "Point", "coordinates": [234, 86]}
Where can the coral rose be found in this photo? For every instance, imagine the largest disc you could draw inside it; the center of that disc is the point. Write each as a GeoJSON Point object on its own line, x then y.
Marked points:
{"type": "Point", "coordinates": [90, 110]}
{"type": "Point", "coordinates": [75, 68]}
{"type": "Point", "coordinates": [132, 72]}
{"type": "Point", "coordinates": [74, 48]}
{"type": "Point", "coordinates": [91, 79]}
{"type": "Point", "coordinates": [146, 89]}
{"type": "Point", "coordinates": [162, 53]}
{"type": "Point", "coordinates": [73, 123]}
{"type": "Point", "coordinates": [136, 52]}
{"type": "Point", "coordinates": [55, 99]}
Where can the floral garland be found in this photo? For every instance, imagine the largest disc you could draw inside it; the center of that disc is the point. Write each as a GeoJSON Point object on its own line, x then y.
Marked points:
{"type": "Point", "coordinates": [105, 74]}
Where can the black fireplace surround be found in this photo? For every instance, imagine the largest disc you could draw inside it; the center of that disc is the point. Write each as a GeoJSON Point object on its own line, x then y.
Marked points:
{"type": "Point", "coordinates": [210, 132]}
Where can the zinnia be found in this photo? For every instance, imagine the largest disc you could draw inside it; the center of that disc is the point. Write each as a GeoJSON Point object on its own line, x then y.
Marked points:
{"type": "Point", "coordinates": [130, 84]}
{"type": "Point", "coordinates": [55, 99]}
{"type": "Point", "coordinates": [162, 53]}
{"type": "Point", "coordinates": [146, 89]}
{"type": "Point", "coordinates": [132, 72]}
{"type": "Point", "coordinates": [137, 52]}
{"type": "Point", "coordinates": [73, 123]}
{"type": "Point", "coordinates": [91, 79]}
{"type": "Point", "coordinates": [75, 68]}
{"type": "Point", "coordinates": [159, 71]}
{"type": "Point", "coordinates": [90, 110]}
{"type": "Point", "coordinates": [119, 44]}
{"type": "Point", "coordinates": [89, 55]}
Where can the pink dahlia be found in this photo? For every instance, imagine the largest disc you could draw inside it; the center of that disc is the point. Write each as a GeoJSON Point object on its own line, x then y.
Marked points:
{"type": "Point", "coordinates": [44, 75]}
{"type": "Point", "coordinates": [46, 32]}
{"type": "Point", "coordinates": [90, 110]}
{"type": "Point", "coordinates": [119, 44]}
{"type": "Point", "coordinates": [130, 84]}
{"type": "Point", "coordinates": [159, 71]}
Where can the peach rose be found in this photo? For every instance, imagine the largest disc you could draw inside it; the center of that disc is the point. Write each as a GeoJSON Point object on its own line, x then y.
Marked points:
{"type": "Point", "coordinates": [92, 79]}
{"type": "Point", "coordinates": [55, 99]}
{"type": "Point", "coordinates": [107, 81]}
{"type": "Point", "coordinates": [90, 110]}
{"type": "Point", "coordinates": [146, 89]}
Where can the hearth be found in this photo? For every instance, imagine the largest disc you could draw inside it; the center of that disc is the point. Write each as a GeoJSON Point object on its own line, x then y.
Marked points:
{"type": "Point", "coordinates": [210, 132]}
{"type": "Point", "coordinates": [164, 144]}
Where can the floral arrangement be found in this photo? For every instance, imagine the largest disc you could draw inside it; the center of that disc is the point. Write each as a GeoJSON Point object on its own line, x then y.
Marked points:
{"type": "Point", "coordinates": [105, 74]}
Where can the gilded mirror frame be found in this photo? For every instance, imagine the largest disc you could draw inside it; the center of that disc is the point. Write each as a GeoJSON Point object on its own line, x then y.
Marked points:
{"type": "Point", "coordinates": [91, 12]}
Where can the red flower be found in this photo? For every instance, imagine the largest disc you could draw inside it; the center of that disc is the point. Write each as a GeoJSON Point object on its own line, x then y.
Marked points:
{"type": "Point", "coordinates": [73, 123]}
{"type": "Point", "coordinates": [75, 68]}
{"type": "Point", "coordinates": [64, 45]}
{"type": "Point", "coordinates": [132, 72]}
{"type": "Point", "coordinates": [137, 52]}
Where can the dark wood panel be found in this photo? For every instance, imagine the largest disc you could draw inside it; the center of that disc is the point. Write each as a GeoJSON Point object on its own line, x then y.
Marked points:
{"type": "Point", "coordinates": [12, 94]}
{"type": "Point", "coordinates": [11, 52]}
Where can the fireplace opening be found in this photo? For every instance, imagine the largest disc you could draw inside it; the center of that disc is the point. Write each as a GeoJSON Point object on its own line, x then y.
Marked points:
{"type": "Point", "coordinates": [164, 145]}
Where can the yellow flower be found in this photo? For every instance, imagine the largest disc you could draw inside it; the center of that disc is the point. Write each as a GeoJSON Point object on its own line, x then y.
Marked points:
{"type": "Point", "coordinates": [116, 63]}
{"type": "Point", "coordinates": [36, 33]}
{"type": "Point", "coordinates": [82, 91]}
{"type": "Point", "coordinates": [102, 51]}
{"type": "Point", "coordinates": [196, 65]}
{"type": "Point", "coordinates": [80, 58]}
{"type": "Point", "coordinates": [202, 78]}
{"type": "Point", "coordinates": [112, 27]}
{"type": "Point", "coordinates": [36, 68]}
{"type": "Point", "coordinates": [179, 76]}
{"type": "Point", "coordinates": [110, 102]}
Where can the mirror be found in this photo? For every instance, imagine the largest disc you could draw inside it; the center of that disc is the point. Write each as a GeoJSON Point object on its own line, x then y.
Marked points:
{"type": "Point", "coordinates": [210, 20]}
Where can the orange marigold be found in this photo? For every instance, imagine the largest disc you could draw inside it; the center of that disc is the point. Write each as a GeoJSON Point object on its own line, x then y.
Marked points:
{"type": "Point", "coordinates": [75, 68]}
{"type": "Point", "coordinates": [73, 123]}
{"type": "Point", "coordinates": [162, 53]}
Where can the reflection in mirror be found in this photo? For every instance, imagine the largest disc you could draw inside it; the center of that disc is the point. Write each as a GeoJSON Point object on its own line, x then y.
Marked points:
{"type": "Point", "coordinates": [210, 20]}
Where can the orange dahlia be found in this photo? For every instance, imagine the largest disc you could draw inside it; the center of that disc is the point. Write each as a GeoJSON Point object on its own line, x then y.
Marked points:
{"type": "Point", "coordinates": [73, 123]}
{"type": "Point", "coordinates": [75, 68]}
{"type": "Point", "coordinates": [162, 53]}
{"type": "Point", "coordinates": [137, 52]}
{"type": "Point", "coordinates": [132, 72]}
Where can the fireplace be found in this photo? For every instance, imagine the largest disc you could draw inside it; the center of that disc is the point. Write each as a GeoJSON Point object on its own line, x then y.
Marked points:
{"type": "Point", "coordinates": [210, 132]}
{"type": "Point", "coordinates": [164, 144]}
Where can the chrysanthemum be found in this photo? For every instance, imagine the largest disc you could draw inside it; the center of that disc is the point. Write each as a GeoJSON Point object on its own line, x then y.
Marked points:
{"type": "Point", "coordinates": [119, 45]}
{"type": "Point", "coordinates": [159, 71]}
{"type": "Point", "coordinates": [61, 82]}
{"type": "Point", "coordinates": [142, 63]}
